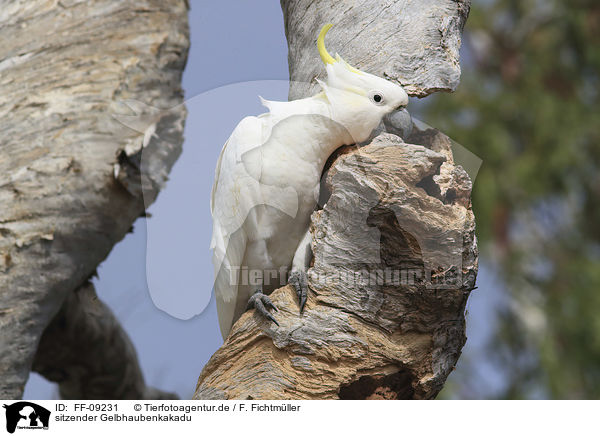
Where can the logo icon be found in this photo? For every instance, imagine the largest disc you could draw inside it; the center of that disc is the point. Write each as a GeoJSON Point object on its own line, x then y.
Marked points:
{"type": "Point", "coordinates": [26, 415]}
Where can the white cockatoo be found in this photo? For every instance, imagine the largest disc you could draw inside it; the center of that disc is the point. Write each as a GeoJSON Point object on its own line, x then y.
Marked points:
{"type": "Point", "coordinates": [267, 183]}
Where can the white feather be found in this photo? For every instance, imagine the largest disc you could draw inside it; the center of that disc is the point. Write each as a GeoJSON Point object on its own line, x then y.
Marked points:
{"type": "Point", "coordinates": [268, 173]}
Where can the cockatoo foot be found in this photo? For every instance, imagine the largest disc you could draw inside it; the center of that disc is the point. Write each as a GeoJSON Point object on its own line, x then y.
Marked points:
{"type": "Point", "coordinates": [298, 280]}
{"type": "Point", "coordinates": [261, 302]}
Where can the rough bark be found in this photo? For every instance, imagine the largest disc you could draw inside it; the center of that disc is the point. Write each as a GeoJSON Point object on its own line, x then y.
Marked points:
{"type": "Point", "coordinates": [395, 254]}
{"type": "Point", "coordinates": [394, 261]}
{"type": "Point", "coordinates": [72, 175]}
{"type": "Point", "coordinates": [413, 42]}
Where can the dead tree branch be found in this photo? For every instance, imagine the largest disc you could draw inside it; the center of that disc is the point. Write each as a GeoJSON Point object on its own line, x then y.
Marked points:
{"type": "Point", "coordinates": [72, 177]}
{"type": "Point", "coordinates": [388, 327]}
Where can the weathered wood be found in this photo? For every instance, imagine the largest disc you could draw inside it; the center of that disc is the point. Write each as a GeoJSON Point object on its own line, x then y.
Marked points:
{"type": "Point", "coordinates": [395, 260]}
{"type": "Point", "coordinates": [70, 173]}
{"type": "Point", "coordinates": [413, 42]}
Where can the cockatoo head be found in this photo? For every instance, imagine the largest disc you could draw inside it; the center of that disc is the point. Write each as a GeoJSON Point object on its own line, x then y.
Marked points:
{"type": "Point", "coordinates": [358, 100]}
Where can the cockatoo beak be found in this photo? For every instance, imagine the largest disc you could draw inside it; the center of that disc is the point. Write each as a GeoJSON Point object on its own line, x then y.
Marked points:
{"type": "Point", "coordinates": [398, 123]}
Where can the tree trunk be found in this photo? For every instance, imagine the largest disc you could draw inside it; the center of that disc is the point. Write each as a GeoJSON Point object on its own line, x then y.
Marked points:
{"type": "Point", "coordinates": [73, 178]}
{"type": "Point", "coordinates": [394, 261]}
{"type": "Point", "coordinates": [414, 42]}
{"type": "Point", "coordinates": [395, 255]}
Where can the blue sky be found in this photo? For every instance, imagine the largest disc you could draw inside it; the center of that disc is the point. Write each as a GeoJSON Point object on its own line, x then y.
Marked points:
{"type": "Point", "coordinates": [159, 278]}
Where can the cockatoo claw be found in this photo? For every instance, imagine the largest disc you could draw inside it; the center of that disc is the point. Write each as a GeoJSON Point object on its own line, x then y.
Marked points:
{"type": "Point", "coordinates": [298, 281]}
{"type": "Point", "coordinates": [261, 302]}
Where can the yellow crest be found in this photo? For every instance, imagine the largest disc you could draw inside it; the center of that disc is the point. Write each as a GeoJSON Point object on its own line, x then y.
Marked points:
{"type": "Point", "coordinates": [325, 56]}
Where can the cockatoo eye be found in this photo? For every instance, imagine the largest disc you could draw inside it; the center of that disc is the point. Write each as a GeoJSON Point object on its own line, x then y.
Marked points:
{"type": "Point", "coordinates": [377, 98]}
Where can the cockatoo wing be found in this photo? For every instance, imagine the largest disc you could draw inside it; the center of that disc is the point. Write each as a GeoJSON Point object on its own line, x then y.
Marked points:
{"type": "Point", "coordinates": [239, 197]}
{"type": "Point", "coordinates": [234, 194]}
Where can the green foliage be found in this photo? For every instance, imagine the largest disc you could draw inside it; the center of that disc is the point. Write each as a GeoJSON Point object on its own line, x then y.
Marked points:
{"type": "Point", "coordinates": [529, 106]}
